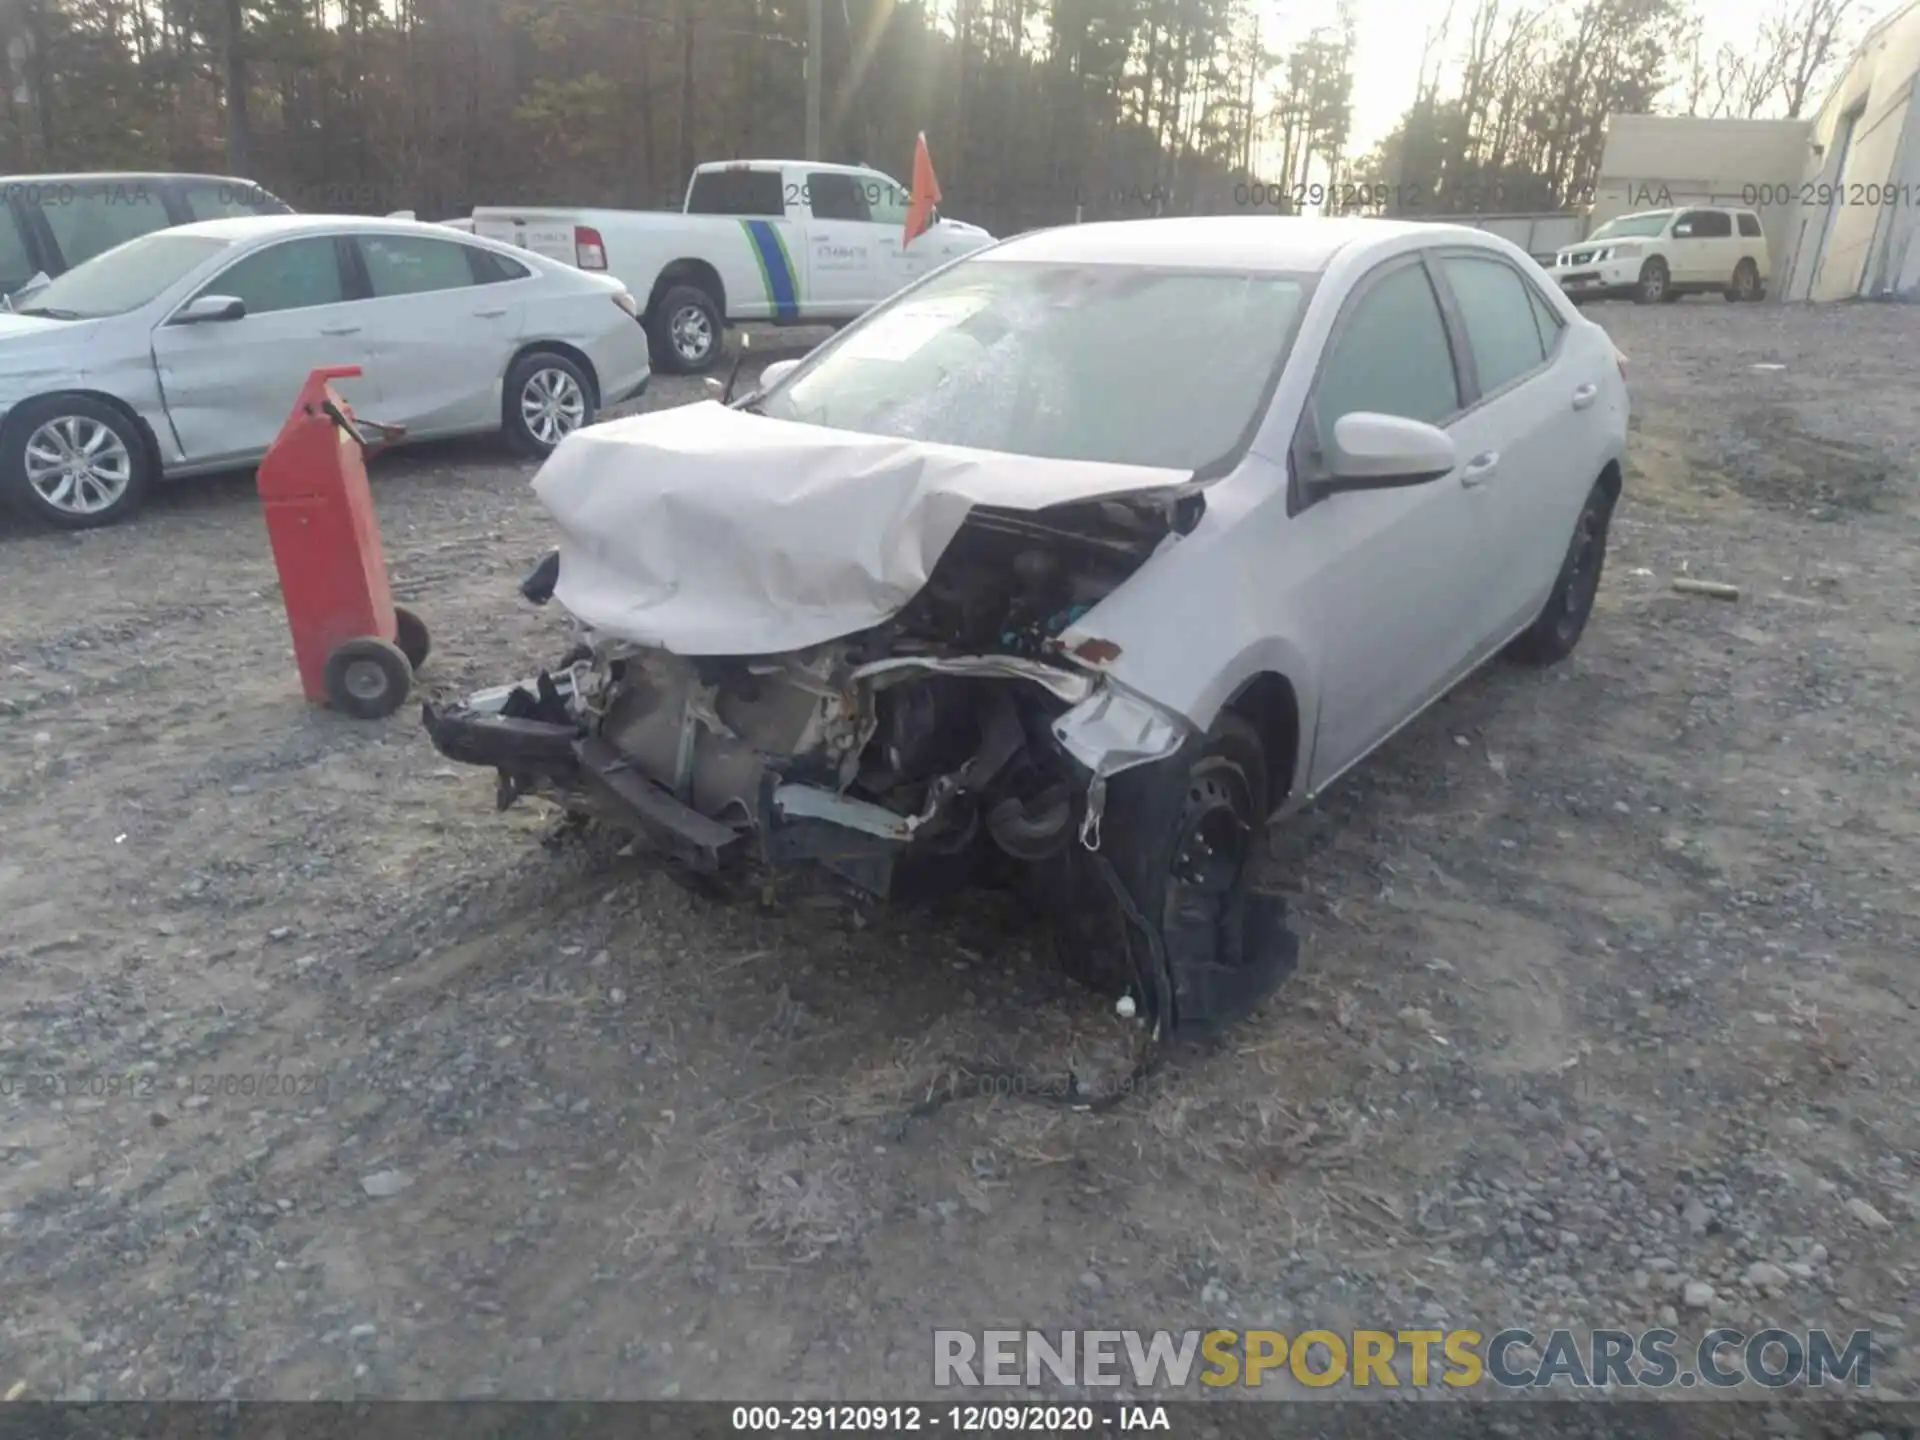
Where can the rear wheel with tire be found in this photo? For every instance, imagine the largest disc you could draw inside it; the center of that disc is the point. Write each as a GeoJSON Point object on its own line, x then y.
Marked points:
{"type": "Point", "coordinates": [74, 462]}
{"type": "Point", "coordinates": [685, 330]}
{"type": "Point", "coordinates": [1655, 283]}
{"type": "Point", "coordinates": [545, 399]}
{"type": "Point", "coordinates": [1746, 282]}
{"type": "Point", "coordinates": [368, 678]}
{"type": "Point", "coordinates": [1560, 624]}
{"type": "Point", "coordinates": [410, 634]}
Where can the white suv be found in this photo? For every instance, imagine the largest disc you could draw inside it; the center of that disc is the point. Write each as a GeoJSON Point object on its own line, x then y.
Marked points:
{"type": "Point", "coordinates": [1664, 254]}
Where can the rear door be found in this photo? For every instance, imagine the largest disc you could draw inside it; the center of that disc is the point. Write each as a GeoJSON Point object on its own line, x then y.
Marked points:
{"type": "Point", "coordinates": [1752, 243]}
{"type": "Point", "coordinates": [1719, 246]}
{"type": "Point", "coordinates": [764, 280]}
{"type": "Point", "coordinates": [229, 385]}
{"type": "Point", "coordinates": [843, 245]}
{"type": "Point", "coordinates": [438, 340]}
{"type": "Point", "coordinates": [1531, 423]}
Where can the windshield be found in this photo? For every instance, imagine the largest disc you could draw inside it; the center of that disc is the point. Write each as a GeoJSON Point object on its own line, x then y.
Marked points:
{"type": "Point", "coordinates": [1633, 225]}
{"type": "Point", "coordinates": [1127, 365]}
{"type": "Point", "coordinates": [123, 278]}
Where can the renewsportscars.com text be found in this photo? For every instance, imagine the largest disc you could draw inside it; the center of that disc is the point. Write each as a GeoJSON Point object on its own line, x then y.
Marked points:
{"type": "Point", "coordinates": [1512, 1359]}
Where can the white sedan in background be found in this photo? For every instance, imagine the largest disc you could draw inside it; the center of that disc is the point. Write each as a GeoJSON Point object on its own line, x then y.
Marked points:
{"type": "Point", "coordinates": [181, 352]}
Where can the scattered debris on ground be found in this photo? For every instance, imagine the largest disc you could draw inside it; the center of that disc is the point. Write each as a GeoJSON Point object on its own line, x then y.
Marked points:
{"type": "Point", "coordinates": [327, 1080]}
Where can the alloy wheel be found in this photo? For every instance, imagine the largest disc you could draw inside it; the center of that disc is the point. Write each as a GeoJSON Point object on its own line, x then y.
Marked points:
{"type": "Point", "coordinates": [78, 465]}
{"type": "Point", "coordinates": [692, 334]}
{"type": "Point", "coordinates": [553, 406]}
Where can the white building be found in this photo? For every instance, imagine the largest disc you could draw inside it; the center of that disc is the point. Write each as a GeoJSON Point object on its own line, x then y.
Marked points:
{"type": "Point", "coordinates": [1857, 228]}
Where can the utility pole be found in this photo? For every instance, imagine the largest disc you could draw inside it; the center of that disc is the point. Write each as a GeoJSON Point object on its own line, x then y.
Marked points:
{"type": "Point", "coordinates": [816, 47]}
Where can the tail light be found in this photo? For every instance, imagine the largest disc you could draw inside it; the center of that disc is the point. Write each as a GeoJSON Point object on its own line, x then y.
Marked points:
{"type": "Point", "coordinates": [1620, 359]}
{"type": "Point", "coordinates": [627, 303]}
{"type": "Point", "coordinates": [589, 250]}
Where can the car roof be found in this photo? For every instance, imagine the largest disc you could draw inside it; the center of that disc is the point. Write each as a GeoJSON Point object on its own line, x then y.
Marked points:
{"type": "Point", "coordinates": [1295, 243]}
{"type": "Point", "coordinates": [74, 177]}
{"type": "Point", "coordinates": [254, 227]}
{"type": "Point", "coordinates": [820, 167]}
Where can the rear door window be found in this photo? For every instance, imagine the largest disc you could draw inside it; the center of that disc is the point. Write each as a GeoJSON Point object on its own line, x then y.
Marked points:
{"type": "Point", "coordinates": [736, 192]}
{"type": "Point", "coordinates": [90, 217]}
{"type": "Point", "coordinates": [414, 265]}
{"type": "Point", "coordinates": [16, 260]}
{"type": "Point", "coordinates": [1547, 319]}
{"type": "Point", "coordinates": [1750, 226]}
{"type": "Point", "coordinates": [1498, 309]}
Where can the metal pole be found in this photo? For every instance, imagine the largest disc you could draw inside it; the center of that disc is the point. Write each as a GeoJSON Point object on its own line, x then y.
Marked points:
{"type": "Point", "coordinates": [816, 45]}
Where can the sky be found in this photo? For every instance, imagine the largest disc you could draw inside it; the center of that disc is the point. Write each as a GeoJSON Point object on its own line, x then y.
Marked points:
{"type": "Point", "coordinates": [1392, 36]}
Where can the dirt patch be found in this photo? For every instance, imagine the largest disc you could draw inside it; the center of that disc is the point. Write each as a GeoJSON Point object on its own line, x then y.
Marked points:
{"type": "Point", "coordinates": [328, 1080]}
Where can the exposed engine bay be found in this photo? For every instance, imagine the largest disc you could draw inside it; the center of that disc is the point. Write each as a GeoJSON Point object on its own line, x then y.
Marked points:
{"type": "Point", "coordinates": [958, 726]}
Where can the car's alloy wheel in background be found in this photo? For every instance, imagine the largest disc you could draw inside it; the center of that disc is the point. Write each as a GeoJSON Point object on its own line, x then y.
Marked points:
{"type": "Point", "coordinates": [685, 331]}
{"type": "Point", "coordinates": [548, 397]}
{"type": "Point", "coordinates": [1653, 283]}
{"type": "Point", "coordinates": [74, 462]}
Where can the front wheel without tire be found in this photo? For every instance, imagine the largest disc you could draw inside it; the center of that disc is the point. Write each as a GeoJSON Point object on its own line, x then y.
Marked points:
{"type": "Point", "coordinates": [546, 398]}
{"type": "Point", "coordinates": [1558, 628]}
{"type": "Point", "coordinates": [1654, 283]}
{"type": "Point", "coordinates": [368, 678]}
{"type": "Point", "coordinates": [74, 462]}
{"type": "Point", "coordinates": [1185, 933]}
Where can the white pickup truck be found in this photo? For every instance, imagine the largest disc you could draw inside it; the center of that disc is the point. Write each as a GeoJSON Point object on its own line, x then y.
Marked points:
{"type": "Point", "coordinates": [785, 241]}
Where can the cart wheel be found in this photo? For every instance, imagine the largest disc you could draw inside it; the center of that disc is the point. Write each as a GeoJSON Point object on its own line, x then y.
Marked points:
{"type": "Point", "coordinates": [368, 678]}
{"type": "Point", "coordinates": [410, 634]}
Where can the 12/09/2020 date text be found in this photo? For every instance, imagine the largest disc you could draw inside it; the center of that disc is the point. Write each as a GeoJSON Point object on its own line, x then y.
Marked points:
{"type": "Point", "coordinates": [895, 1419]}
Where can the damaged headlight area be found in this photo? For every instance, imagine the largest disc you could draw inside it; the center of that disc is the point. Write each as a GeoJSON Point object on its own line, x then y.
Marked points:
{"type": "Point", "coordinates": [955, 730]}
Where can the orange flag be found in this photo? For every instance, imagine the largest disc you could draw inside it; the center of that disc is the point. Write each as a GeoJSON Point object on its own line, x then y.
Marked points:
{"type": "Point", "coordinates": [926, 193]}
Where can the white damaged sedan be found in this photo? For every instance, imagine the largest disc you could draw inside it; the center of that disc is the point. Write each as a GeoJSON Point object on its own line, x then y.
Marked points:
{"type": "Point", "coordinates": [1085, 556]}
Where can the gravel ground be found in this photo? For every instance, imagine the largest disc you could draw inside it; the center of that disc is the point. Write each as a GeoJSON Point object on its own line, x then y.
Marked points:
{"type": "Point", "coordinates": [322, 1079]}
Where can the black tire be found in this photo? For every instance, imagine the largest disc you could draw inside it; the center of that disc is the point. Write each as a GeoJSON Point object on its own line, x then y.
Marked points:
{"type": "Point", "coordinates": [1559, 626]}
{"type": "Point", "coordinates": [685, 331]}
{"type": "Point", "coordinates": [118, 473]}
{"type": "Point", "coordinates": [410, 634]}
{"type": "Point", "coordinates": [1654, 283]}
{"type": "Point", "coordinates": [1746, 282]}
{"type": "Point", "coordinates": [546, 397]}
{"type": "Point", "coordinates": [1179, 838]}
{"type": "Point", "coordinates": [368, 678]}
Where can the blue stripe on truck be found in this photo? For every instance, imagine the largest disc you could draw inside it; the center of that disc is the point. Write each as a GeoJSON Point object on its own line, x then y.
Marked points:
{"type": "Point", "coordinates": [775, 268]}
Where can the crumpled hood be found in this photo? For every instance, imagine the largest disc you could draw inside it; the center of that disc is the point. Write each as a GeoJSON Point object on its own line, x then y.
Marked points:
{"type": "Point", "coordinates": [710, 531]}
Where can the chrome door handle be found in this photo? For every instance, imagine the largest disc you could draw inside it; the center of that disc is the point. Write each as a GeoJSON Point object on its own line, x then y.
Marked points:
{"type": "Point", "coordinates": [1478, 470]}
{"type": "Point", "coordinates": [340, 330]}
{"type": "Point", "coordinates": [1584, 396]}
{"type": "Point", "coordinates": [490, 314]}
